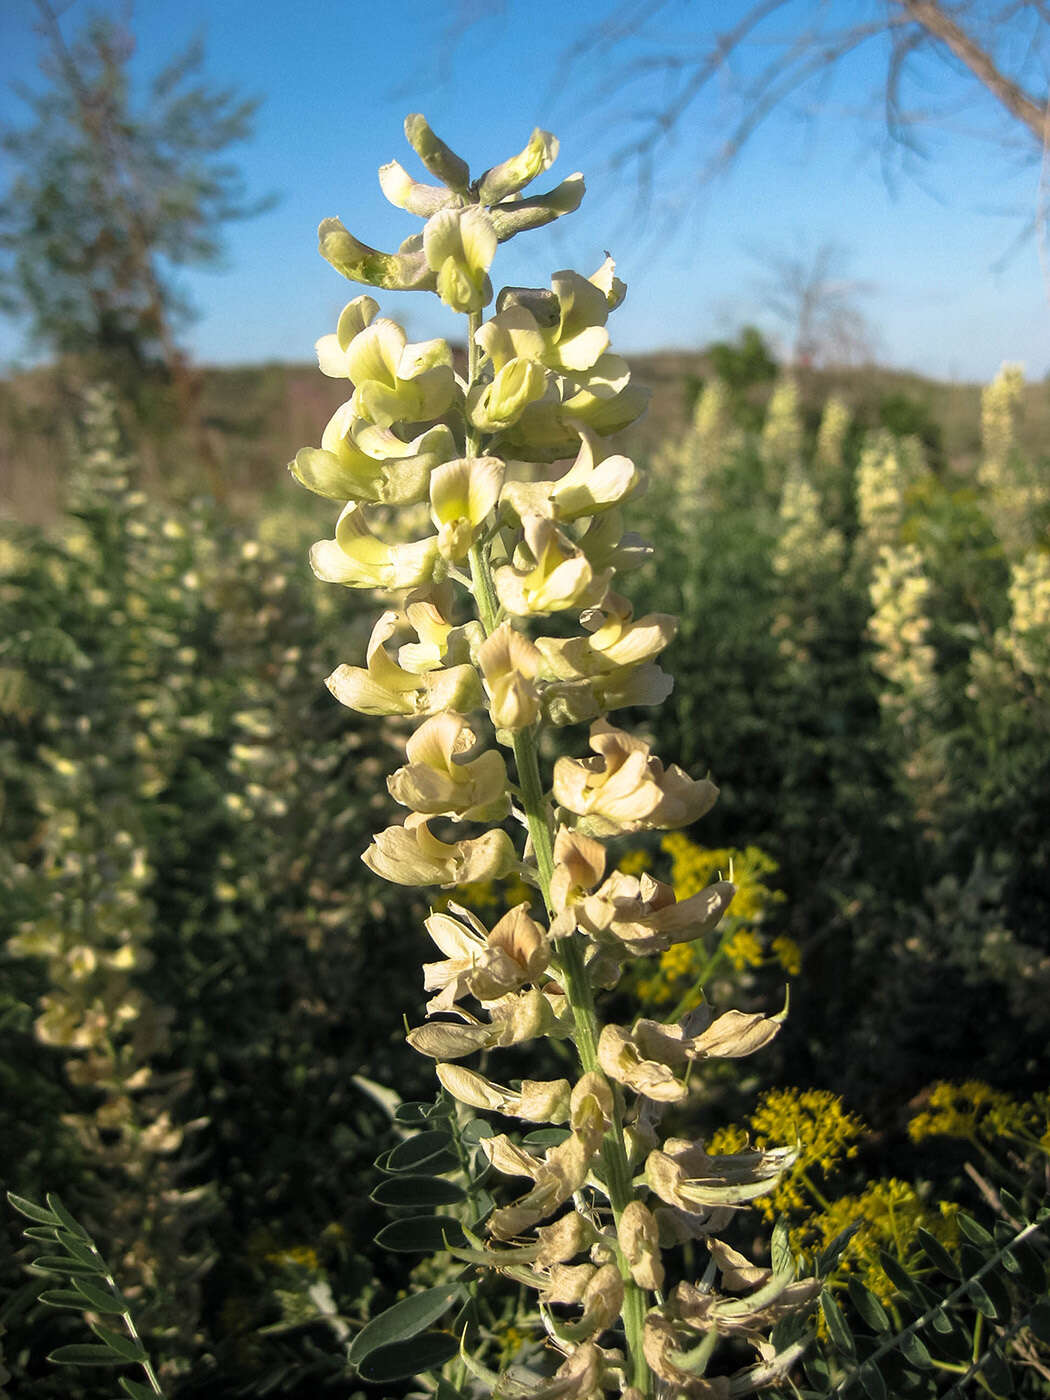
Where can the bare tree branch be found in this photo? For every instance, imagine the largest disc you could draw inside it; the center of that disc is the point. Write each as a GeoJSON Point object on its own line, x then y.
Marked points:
{"type": "Point", "coordinates": [1020, 104]}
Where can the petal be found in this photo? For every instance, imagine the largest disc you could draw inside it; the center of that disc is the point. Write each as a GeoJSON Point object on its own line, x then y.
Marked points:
{"type": "Point", "coordinates": [514, 174]}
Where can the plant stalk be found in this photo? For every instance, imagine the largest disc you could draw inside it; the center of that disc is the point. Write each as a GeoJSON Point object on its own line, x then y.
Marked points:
{"type": "Point", "coordinates": [577, 986]}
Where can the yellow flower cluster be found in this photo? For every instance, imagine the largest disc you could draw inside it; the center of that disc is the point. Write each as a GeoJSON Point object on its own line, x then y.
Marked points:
{"type": "Point", "coordinates": [726, 1140]}
{"type": "Point", "coordinates": [889, 1214]}
{"type": "Point", "coordinates": [484, 896]}
{"type": "Point", "coordinates": [976, 1112]}
{"type": "Point", "coordinates": [743, 949]}
{"type": "Point", "coordinates": [511, 1340]}
{"type": "Point", "coordinates": [826, 1135]}
{"type": "Point", "coordinates": [694, 868]}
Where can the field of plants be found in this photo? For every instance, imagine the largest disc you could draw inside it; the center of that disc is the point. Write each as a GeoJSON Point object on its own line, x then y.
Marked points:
{"type": "Point", "coordinates": [203, 990]}
{"type": "Point", "coordinates": [525, 872]}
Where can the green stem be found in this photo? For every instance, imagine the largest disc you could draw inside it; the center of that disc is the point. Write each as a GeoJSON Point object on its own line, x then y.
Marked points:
{"type": "Point", "coordinates": [813, 1190]}
{"type": "Point", "coordinates": [570, 960]}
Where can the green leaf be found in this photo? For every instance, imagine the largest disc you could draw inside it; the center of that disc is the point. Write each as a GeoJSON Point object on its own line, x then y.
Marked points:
{"type": "Point", "coordinates": [83, 1354]}
{"type": "Point", "coordinates": [32, 1211]}
{"type": "Point", "coordinates": [425, 1234]}
{"type": "Point", "coordinates": [407, 1156]}
{"type": "Point", "coordinates": [404, 1320]}
{"type": "Point", "coordinates": [416, 1113]}
{"type": "Point", "coordinates": [868, 1307]}
{"type": "Point", "coordinates": [125, 1347]}
{"type": "Point", "coordinates": [447, 1391]}
{"type": "Point", "coordinates": [937, 1254]}
{"type": "Point", "coordinates": [1039, 1320]}
{"type": "Point", "coordinates": [896, 1272]}
{"type": "Point", "coordinates": [838, 1331]}
{"type": "Point", "coordinates": [974, 1232]}
{"type": "Point", "coordinates": [830, 1255]}
{"type": "Point", "coordinates": [483, 1203]}
{"type": "Point", "coordinates": [914, 1349]}
{"type": "Point", "coordinates": [72, 1225]}
{"type": "Point", "coordinates": [101, 1299]}
{"type": "Point", "coordinates": [59, 1264]}
{"type": "Point", "coordinates": [417, 1191]}
{"type": "Point", "coordinates": [63, 1298]}
{"type": "Point", "coordinates": [978, 1295]}
{"type": "Point", "coordinates": [403, 1360]}
{"type": "Point", "coordinates": [1030, 1267]}
{"type": "Point", "coordinates": [873, 1383]}
{"type": "Point", "coordinates": [781, 1258]}
{"type": "Point", "coordinates": [817, 1370]}
{"type": "Point", "coordinates": [546, 1137]}
{"type": "Point", "coordinates": [941, 1322]}
{"type": "Point", "coordinates": [1012, 1206]}
{"type": "Point", "coordinates": [477, 1129]}
{"type": "Point", "coordinates": [137, 1389]}
{"type": "Point", "coordinates": [995, 1287]}
{"type": "Point", "coordinates": [77, 1249]}
{"type": "Point", "coordinates": [47, 1233]}
{"type": "Point", "coordinates": [996, 1375]}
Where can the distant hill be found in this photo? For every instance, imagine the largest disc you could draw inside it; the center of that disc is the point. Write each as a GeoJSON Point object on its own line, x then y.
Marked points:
{"type": "Point", "coordinates": [256, 417]}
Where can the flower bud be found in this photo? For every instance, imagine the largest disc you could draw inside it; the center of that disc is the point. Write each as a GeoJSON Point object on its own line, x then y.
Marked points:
{"type": "Point", "coordinates": [439, 159]}
{"type": "Point", "coordinates": [403, 271]}
{"type": "Point", "coordinates": [509, 663]}
{"type": "Point", "coordinates": [639, 1238]}
{"type": "Point", "coordinates": [459, 245]}
{"type": "Point", "coordinates": [514, 174]}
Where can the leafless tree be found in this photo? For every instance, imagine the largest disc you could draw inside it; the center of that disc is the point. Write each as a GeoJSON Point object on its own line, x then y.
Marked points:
{"type": "Point", "coordinates": [645, 69]}
{"type": "Point", "coordinates": [816, 304]}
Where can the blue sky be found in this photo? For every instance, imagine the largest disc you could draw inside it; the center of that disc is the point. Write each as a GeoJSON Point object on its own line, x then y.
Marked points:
{"type": "Point", "coordinates": [336, 78]}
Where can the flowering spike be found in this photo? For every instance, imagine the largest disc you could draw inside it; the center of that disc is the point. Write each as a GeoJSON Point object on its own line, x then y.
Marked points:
{"type": "Point", "coordinates": [518, 544]}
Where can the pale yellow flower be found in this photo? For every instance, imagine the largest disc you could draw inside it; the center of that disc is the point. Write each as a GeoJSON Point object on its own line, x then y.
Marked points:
{"type": "Point", "coordinates": [626, 789]}
{"type": "Point", "coordinates": [509, 664]}
{"type": "Point", "coordinates": [462, 495]}
{"type": "Point", "coordinates": [441, 779]}
{"type": "Point", "coordinates": [459, 245]}
{"type": "Point", "coordinates": [359, 461]}
{"type": "Point", "coordinates": [548, 574]}
{"type": "Point", "coordinates": [385, 688]}
{"type": "Point", "coordinates": [484, 964]}
{"type": "Point", "coordinates": [596, 481]}
{"type": "Point", "coordinates": [397, 381]}
{"type": "Point", "coordinates": [412, 855]}
{"type": "Point", "coordinates": [537, 1101]}
{"type": "Point", "coordinates": [359, 559]}
{"type": "Point", "coordinates": [331, 349]}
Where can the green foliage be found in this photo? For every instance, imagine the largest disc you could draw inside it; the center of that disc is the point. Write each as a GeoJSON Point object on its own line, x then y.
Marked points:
{"type": "Point", "coordinates": [886, 748]}
{"type": "Point", "coordinates": [71, 1252]}
{"type": "Point", "coordinates": [746, 362]}
{"type": "Point", "coordinates": [966, 1324]}
{"type": "Point", "coordinates": [186, 938]}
